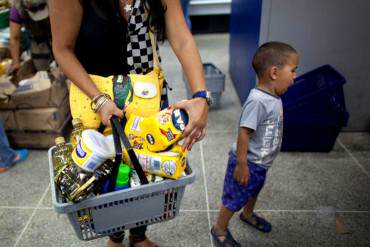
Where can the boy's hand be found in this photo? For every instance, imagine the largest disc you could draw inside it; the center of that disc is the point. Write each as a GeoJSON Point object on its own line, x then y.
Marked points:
{"type": "Point", "coordinates": [241, 174]}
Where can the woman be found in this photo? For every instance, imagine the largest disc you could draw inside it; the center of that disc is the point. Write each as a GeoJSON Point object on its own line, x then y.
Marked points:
{"type": "Point", "coordinates": [93, 37]}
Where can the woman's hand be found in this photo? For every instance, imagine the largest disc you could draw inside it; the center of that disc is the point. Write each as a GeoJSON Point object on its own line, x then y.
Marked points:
{"type": "Point", "coordinates": [241, 174]}
{"type": "Point", "coordinates": [108, 110]}
{"type": "Point", "coordinates": [195, 130]}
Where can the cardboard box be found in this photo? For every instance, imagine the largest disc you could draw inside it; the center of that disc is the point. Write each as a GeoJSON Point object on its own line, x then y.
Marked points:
{"type": "Point", "coordinates": [40, 119]}
{"type": "Point", "coordinates": [8, 119]}
{"type": "Point", "coordinates": [38, 139]}
{"type": "Point", "coordinates": [48, 93]}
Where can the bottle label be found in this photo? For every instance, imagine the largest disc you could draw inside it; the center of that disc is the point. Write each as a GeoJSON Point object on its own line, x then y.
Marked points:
{"type": "Point", "coordinates": [80, 152]}
{"type": "Point", "coordinates": [85, 158]}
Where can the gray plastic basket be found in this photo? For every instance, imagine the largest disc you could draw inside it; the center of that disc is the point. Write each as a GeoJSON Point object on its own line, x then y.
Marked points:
{"type": "Point", "coordinates": [215, 81]}
{"type": "Point", "coordinates": [106, 214]}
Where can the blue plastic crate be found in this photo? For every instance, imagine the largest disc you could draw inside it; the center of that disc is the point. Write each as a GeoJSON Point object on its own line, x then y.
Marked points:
{"type": "Point", "coordinates": [328, 101]}
{"type": "Point", "coordinates": [318, 91]}
{"type": "Point", "coordinates": [312, 133]}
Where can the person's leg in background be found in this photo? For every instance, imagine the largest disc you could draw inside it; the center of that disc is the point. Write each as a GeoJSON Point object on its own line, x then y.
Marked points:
{"type": "Point", "coordinates": [185, 4]}
{"type": "Point", "coordinates": [8, 156]}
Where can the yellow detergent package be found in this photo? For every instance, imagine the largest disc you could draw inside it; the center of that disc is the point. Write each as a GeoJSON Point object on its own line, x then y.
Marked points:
{"type": "Point", "coordinates": [157, 132]}
{"type": "Point", "coordinates": [169, 164]}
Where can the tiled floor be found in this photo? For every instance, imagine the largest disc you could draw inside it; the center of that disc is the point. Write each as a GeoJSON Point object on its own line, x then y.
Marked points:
{"type": "Point", "coordinates": [303, 194]}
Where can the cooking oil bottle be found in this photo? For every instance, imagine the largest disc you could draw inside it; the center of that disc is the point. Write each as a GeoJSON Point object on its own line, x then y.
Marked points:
{"type": "Point", "coordinates": [61, 156]}
{"type": "Point", "coordinates": [76, 132]}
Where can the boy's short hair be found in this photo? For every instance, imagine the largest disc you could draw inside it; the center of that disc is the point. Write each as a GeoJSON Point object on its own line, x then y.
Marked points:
{"type": "Point", "coordinates": [270, 54]}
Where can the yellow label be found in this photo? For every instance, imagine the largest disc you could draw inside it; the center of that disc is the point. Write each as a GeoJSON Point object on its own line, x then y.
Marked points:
{"type": "Point", "coordinates": [81, 155]}
{"type": "Point", "coordinates": [169, 164]}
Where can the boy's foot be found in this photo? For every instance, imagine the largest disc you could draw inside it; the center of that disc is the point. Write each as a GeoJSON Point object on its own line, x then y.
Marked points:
{"type": "Point", "coordinates": [223, 238]}
{"type": "Point", "coordinates": [20, 156]}
{"type": "Point", "coordinates": [257, 222]}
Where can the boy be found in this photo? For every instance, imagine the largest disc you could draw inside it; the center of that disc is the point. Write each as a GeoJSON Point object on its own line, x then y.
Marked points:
{"type": "Point", "coordinates": [259, 139]}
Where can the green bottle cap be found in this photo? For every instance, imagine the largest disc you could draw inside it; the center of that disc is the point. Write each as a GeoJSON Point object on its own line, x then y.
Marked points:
{"type": "Point", "coordinates": [123, 176]}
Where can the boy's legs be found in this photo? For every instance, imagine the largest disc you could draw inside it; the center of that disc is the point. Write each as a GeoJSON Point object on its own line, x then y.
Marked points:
{"type": "Point", "coordinates": [249, 208]}
{"type": "Point", "coordinates": [224, 217]}
{"type": "Point", "coordinates": [247, 216]}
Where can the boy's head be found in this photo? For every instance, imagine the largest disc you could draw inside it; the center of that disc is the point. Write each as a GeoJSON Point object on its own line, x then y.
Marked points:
{"type": "Point", "coordinates": [276, 63]}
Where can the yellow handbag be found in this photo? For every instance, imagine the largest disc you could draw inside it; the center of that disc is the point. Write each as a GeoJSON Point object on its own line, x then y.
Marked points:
{"type": "Point", "coordinates": [143, 94]}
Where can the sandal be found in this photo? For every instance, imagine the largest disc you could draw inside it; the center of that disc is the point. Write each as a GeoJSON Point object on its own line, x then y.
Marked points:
{"type": "Point", "coordinates": [229, 241]}
{"type": "Point", "coordinates": [135, 239]}
{"type": "Point", "coordinates": [21, 155]}
{"type": "Point", "coordinates": [257, 222]}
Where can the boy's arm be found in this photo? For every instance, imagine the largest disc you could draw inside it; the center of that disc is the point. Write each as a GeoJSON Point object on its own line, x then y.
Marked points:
{"type": "Point", "coordinates": [241, 172]}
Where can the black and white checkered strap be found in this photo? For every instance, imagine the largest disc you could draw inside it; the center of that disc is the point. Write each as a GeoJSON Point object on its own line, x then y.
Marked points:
{"type": "Point", "coordinates": [140, 55]}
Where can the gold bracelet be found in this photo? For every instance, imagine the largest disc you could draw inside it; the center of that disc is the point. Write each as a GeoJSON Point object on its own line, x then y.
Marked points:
{"type": "Point", "coordinates": [97, 102]}
{"type": "Point", "coordinates": [103, 102]}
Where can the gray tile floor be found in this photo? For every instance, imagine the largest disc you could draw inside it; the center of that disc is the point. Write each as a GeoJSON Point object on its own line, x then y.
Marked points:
{"type": "Point", "coordinates": [302, 192]}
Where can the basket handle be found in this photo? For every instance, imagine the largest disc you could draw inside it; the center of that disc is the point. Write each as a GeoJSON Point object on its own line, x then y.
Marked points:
{"type": "Point", "coordinates": [118, 137]}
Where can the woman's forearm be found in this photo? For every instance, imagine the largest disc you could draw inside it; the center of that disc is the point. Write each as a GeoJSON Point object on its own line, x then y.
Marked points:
{"type": "Point", "coordinates": [14, 42]}
{"type": "Point", "coordinates": [183, 44]}
{"type": "Point", "coordinates": [189, 57]}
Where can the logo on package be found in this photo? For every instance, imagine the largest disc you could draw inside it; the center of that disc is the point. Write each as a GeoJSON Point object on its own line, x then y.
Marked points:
{"type": "Point", "coordinates": [169, 135]}
{"type": "Point", "coordinates": [150, 139]}
{"type": "Point", "coordinates": [80, 151]}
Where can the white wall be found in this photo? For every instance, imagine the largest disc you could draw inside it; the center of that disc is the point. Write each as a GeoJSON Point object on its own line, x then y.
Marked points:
{"type": "Point", "coordinates": [335, 32]}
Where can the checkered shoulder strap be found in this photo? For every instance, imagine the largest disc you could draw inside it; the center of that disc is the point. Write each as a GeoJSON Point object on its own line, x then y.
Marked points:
{"type": "Point", "coordinates": [139, 47]}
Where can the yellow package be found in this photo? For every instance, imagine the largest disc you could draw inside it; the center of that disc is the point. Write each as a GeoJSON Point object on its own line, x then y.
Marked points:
{"type": "Point", "coordinates": [169, 164]}
{"type": "Point", "coordinates": [158, 132]}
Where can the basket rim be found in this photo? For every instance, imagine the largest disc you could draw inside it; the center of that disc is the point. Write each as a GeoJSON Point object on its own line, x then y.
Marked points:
{"type": "Point", "coordinates": [70, 207]}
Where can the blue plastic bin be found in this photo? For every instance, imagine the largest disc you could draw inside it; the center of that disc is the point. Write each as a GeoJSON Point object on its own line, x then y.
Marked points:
{"type": "Point", "coordinates": [314, 111]}
{"type": "Point", "coordinates": [319, 91]}
{"type": "Point", "coordinates": [312, 133]}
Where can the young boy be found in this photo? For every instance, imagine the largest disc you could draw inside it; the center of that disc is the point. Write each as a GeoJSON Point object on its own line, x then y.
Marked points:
{"type": "Point", "coordinates": [259, 139]}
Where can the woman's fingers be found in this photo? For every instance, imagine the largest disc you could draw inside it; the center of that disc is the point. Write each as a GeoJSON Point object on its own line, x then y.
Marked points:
{"type": "Point", "coordinates": [197, 110]}
{"type": "Point", "coordinates": [107, 111]}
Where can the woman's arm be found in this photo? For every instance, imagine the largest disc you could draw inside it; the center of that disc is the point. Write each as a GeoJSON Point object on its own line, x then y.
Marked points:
{"type": "Point", "coordinates": [183, 44]}
{"type": "Point", "coordinates": [65, 19]}
{"type": "Point", "coordinates": [14, 44]}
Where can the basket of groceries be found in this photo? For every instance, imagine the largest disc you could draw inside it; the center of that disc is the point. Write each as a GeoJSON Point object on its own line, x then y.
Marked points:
{"type": "Point", "coordinates": [135, 176]}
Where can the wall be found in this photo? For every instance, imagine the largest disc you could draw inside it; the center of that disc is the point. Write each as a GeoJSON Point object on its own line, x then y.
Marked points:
{"type": "Point", "coordinates": [335, 32]}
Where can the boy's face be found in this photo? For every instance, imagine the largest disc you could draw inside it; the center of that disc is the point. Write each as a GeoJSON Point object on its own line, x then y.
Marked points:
{"type": "Point", "coordinates": [285, 76]}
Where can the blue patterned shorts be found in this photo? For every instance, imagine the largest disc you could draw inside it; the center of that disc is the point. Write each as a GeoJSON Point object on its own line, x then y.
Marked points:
{"type": "Point", "coordinates": [236, 196]}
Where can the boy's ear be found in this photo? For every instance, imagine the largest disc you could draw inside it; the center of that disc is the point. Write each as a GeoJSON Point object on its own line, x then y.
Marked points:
{"type": "Point", "coordinates": [273, 71]}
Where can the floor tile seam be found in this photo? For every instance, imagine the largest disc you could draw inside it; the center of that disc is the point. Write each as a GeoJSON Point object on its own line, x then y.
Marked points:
{"type": "Point", "coordinates": [281, 211]}
{"type": "Point", "coordinates": [31, 217]}
{"type": "Point", "coordinates": [25, 207]}
{"type": "Point", "coordinates": [211, 210]}
{"type": "Point", "coordinates": [362, 168]}
{"type": "Point", "coordinates": [205, 189]}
